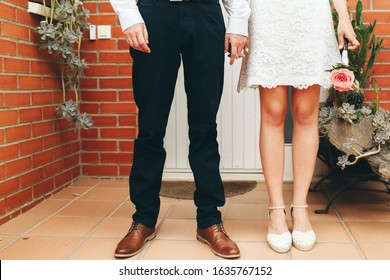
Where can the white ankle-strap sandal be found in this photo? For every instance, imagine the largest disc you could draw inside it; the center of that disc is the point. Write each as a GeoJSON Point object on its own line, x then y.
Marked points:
{"type": "Point", "coordinates": [280, 243]}
{"type": "Point", "coordinates": [302, 240]}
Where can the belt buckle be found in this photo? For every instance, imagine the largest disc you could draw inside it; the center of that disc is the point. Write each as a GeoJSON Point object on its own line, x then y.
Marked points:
{"type": "Point", "coordinates": [176, 0]}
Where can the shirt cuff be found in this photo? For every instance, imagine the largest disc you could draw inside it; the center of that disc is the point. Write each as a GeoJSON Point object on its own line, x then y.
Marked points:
{"type": "Point", "coordinates": [237, 26]}
{"type": "Point", "coordinates": [129, 18]}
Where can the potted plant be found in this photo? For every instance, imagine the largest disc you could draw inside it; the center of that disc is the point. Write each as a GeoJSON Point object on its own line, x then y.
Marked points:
{"type": "Point", "coordinates": [61, 35]}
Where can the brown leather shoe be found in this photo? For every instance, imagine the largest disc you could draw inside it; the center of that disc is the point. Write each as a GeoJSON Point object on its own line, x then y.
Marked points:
{"type": "Point", "coordinates": [134, 241]}
{"type": "Point", "coordinates": [219, 242]}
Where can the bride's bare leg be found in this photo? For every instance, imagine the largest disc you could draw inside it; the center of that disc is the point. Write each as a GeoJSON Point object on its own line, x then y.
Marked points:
{"type": "Point", "coordinates": [273, 104]}
{"type": "Point", "coordinates": [304, 149]}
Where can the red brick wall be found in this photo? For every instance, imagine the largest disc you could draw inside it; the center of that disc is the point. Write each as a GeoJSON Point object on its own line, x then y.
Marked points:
{"type": "Point", "coordinates": [39, 154]}
{"type": "Point", "coordinates": [379, 10]}
{"type": "Point", "coordinates": [108, 98]}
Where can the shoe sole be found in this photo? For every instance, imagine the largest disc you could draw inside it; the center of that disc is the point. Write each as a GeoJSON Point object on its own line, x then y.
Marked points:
{"type": "Point", "coordinates": [303, 248]}
{"type": "Point", "coordinates": [277, 250]}
{"type": "Point", "coordinates": [216, 253]}
{"type": "Point", "coordinates": [149, 238]}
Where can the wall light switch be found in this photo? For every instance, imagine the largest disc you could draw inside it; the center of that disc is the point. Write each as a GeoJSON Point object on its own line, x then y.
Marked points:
{"type": "Point", "coordinates": [92, 32]}
{"type": "Point", "coordinates": [104, 31]}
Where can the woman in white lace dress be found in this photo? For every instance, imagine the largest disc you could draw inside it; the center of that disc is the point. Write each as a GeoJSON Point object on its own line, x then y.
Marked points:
{"type": "Point", "coordinates": [292, 43]}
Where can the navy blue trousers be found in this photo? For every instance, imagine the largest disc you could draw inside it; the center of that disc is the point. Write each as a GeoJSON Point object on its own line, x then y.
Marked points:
{"type": "Point", "coordinates": [193, 33]}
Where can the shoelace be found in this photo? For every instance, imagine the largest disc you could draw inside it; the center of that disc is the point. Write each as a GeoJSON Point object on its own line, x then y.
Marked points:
{"type": "Point", "coordinates": [134, 226]}
{"type": "Point", "coordinates": [219, 228]}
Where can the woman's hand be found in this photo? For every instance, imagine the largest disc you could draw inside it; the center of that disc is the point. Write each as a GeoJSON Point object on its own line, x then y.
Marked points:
{"type": "Point", "coordinates": [345, 31]}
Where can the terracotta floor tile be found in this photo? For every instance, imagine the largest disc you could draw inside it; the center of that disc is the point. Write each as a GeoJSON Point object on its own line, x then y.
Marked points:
{"type": "Point", "coordinates": [21, 223]}
{"type": "Point", "coordinates": [259, 251]}
{"type": "Point", "coordinates": [70, 193]}
{"type": "Point", "coordinates": [261, 186]}
{"type": "Point", "coordinates": [364, 212]}
{"type": "Point", "coordinates": [6, 239]}
{"type": "Point", "coordinates": [330, 232]}
{"type": "Point", "coordinates": [252, 197]}
{"type": "Point", "coordinates": [124, 211]}
{"type": "Point", "coordinates": [97, 193]}
{"type": "Point", "coordinates": [86, 182]}
{"type": "Point", "coordinates": [47, 207]}
{"type": "Point", "coordinates": [331, 216]}
{"type": "Point", "coordinates": [247, 212]}
{"type": "Point", "coordinates": [328, 251]}
{"type": "Point", "coordinates": [177, 229]}
{"type": "Point", "coordinates": [183, 209]}
{"type": "Point", "coordinates": [356, 197]}
{"type": "Point", "coordinates": [370, 231]}
{"type": "Point", "coordinates": [247, 230]}
{"type": "Point", "coordinates": [66, 226]}
{"type": "Point", "coordinates": [97, 249]}
{"type": "Point", "coordinates": [178, 250]}
{"type": "Point", "coordinates": [167, 199]}
{"type": "Point", "coordinates": [165, 209]}
{"type": "Point", "coordinates": [113, 228]}
{"type": "Point", "coordinates": [110, 183]}
{"type": "Point", "coordinates": [376, 251]}
{"type": "Point", "coordinates": [37, 248]}
{"type": "Point", "coordinates": [89, 208]}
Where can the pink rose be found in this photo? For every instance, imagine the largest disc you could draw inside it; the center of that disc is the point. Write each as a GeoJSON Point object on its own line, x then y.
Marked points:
{"type": "Point", "coordinates": [342, 79]}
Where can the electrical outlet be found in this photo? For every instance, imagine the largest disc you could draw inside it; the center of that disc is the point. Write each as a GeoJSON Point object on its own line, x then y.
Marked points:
{"type": "Point", "coordinates": [92, 32]}
{"type": "Point", "coordinates": [104, 31]}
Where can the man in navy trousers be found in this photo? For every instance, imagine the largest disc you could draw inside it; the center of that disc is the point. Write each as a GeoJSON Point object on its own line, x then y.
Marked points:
{"type": "Point", "coordinates": [161, 35]}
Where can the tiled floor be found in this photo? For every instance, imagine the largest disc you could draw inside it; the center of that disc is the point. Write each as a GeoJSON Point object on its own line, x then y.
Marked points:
{"type": "Point", "coordinates": [88, 218]}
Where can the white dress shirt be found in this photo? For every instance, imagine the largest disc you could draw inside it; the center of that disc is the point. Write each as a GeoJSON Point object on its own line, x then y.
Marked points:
{"type": "Point", "coordinates": [238, 11]}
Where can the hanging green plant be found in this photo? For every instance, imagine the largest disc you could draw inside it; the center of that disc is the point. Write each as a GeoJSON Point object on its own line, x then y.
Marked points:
{"type": "Point", "coordinates": [61, 35]}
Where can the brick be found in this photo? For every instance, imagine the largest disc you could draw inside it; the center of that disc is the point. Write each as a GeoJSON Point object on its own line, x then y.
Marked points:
{"type": "Point", "coordinates": [2, 172]}
{"type": "Point", "coordinates": [2, 138]}
{"type": "Point", "coordinates": [89, 83]}
{"type": "Point", "coordinates": [8, 81]}
{"type": "Point", "coordinates": [19, 199]}
{"type": "Point", "coordinates": [27, 18]}
{"type": "Point", "coordinates": [383, 56]}
{"type": "Point", "coordinates": [71, 161]}
{"type": "Point", "coordinates": [8, 117]}
{"type": "Point", "coordinates": [118, 133]}
{"type": "Point", "coordinates": [51, 141]}
{"type": "Point", "coordinates": [100, 170]}
{"type": "Point", "coordinates": [117, 57]}
{"type": "Point", "coordinates": [1, 100]}
{"type": "Point", "coordinates": [118, 108]}
{"type": "Point", "coordinates": [9, 152]}
{"type": "Point", "coordinates": [92, 133]}
{"type": "Point", "coordinates": [15, 31]}
{"type": "Point", "coordinates": [31, 146]}
{"type": "Point", "coordinates": [31, 178]}
{"type": "Point", "coordinates": [90, 57]}
{"type": "Point", "coordinates": [3, 210]}
{"type": "Point", "coordinates": [12, 99]}
{"type": "Point", "coordinates": [127, 120]}
{"type": "Point", "coordinates": [31, 114]}
{"type": "Point", "coordinates": [117, 158]}
{"type": "Point", "coordinates": [89, 157]}
{"type": "Point", "coordinates": [16, 133]}
{"type": "Point", "coordinates": [42, 98]}
{"type": "Point", "coordinates": [127, 95]}
{"type": "Point", "coordinates": [352, 4]}
{"type": "Point", "coordinates": [42, 128]}
{"type": "Point", "coordinates": [105, 7]}
{"type": "Point", "coordinates": [98, 45]}
{"type": "Point", "coordinates": [21, 3]}
{"type": "Point", "coordinates": [42, 158]}
{"type": "Point", "coordinates": [380, 4]}
{"type": "Point", "coordinates": [28, 50]}
{"type": "Point", "coordinates": [51, 83]}
{"type": "Point", "coordinates": [7, 12]}
{"type": "Point", "coordinates": [12, 65]}
{"type": "Point", "coordinates": [29, 82]}
{"type": "Point", "coordinates": [53, 168]}
{"type": "Point", "coordinates": [90, 145]}
{"type": "Point", "coordinates": [43, 67]}
{"type": "Point", "coordinates": [63, 178]}
{"type": "Point", "coordinates": [93, 96]}
{"type": "Point", "coordinates": [76, 147]}
{"type": "Point", "coordinates": [89, 108]}
{"type": "Point", "coordinates": [380, 17]}
{"type": "Point", "coordinates": [125, 70]}
{"type": "Point", "coordinates": [62, 151]}
{"type": "Point", "coordinates": [92, 7]}
{"type": "Point", "coordinates": [104, 121]}
{"type": "Point", "coordinates": [43, 188]}
{"type": "Point", "coordinates": [124, 170]}
{"type": "Point", "coordinates": [9, 186]}
{"type": "Point", "coordinates": [383, 82]}
{"type": "Point", "coordinates": [382, 29]}
{"type": "Point", "coordinates": [7, 47]}
{"type": "Point", "coordinates": [103, 19]}
{"type": "Point", "coordinates": [126, 146]}
{"type": "Point", "coordinates": [50, 112]}
{"type": "Point", "coordinates": [101, 70]}
{"type": "Point", "coordinates": [123, 45]}
{"type": "Point", "coordinates": [17, 166]}
{"type": "Point", "coordinates": [70, 135]}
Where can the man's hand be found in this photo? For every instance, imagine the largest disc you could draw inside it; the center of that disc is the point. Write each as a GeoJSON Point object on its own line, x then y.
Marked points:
{"type": "Point", "coordinates": [137, 37]}
{"type": "Point", "coordinates": [236, 45]}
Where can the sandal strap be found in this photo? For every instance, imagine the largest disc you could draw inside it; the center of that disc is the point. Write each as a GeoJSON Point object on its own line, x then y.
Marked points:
{"type": "Point", "coordinates": [276, 207]}
{"type": "Point", "coordinates": [299, 205]}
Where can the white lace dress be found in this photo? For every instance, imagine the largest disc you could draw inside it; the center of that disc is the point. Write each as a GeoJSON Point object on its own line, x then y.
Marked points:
{"type": "Point", "coordinates": [292, 42]}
